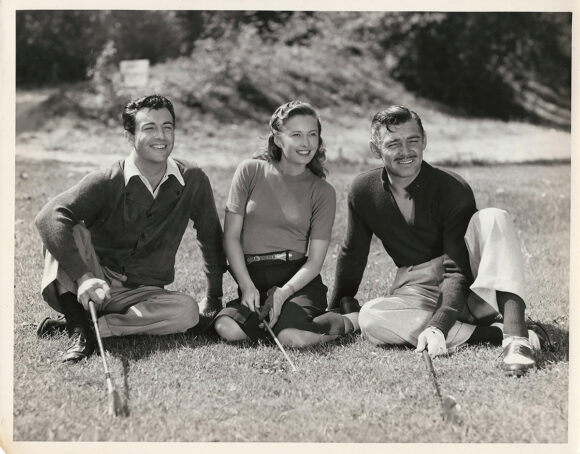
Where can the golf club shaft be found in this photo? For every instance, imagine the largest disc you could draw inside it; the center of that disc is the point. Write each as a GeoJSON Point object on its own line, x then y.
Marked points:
{"type": "Point", "coordinates": [280, 346]}
{"type": "Point", "coordinates": [429, 363]}
{"type": "Point", "coordinates": [113, 397]}
{"type": "Point", "coordinates": [93, 312]}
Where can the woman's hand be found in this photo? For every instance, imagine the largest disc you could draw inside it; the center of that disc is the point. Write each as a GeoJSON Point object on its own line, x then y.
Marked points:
{"type": "Point", "coordinates": [279, 297]}
{"type": "Point", "coordinates": [250, 297]}
{"type": "Point", "coordinates": [233, 224]}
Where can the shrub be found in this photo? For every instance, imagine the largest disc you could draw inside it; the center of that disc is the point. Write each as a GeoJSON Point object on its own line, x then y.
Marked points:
{"type": "Point", "coordinates": [483, 64]}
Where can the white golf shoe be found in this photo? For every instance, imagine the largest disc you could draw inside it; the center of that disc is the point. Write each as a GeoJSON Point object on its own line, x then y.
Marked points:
{"type": "Point", "coordinates": [535, 342]}
{"type": "Point", "coordinates": [518, 356]}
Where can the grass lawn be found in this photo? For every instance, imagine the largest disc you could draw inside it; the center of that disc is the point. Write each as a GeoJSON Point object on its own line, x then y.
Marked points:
{"type": "Point", "coordinates": [193, 387]}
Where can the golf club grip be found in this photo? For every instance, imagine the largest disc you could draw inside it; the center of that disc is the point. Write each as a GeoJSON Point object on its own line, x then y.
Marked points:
{"type": "Point", "coordinates": [265, 309]}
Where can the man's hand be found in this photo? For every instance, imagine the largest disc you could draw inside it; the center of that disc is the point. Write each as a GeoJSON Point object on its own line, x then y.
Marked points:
{"type": "Point", "coordinates": [433, 339]}
{"type": "Point", "coordinates": [92, 288]}
{"type": "Point", "coordinates": [210, 304]}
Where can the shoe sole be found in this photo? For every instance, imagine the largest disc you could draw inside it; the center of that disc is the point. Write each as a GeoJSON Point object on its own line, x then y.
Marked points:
{"type": "Point", "coordinates": [515, 373]}
{"type": "Point", "coordinates": [74, 359]}
{"type": "Point", "coordinates": [41, 330]}
{"type": "Point", "coordinates": [519, 371]}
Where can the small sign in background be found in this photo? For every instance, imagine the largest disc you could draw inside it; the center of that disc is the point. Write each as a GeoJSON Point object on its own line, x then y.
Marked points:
{"type": "Point", "coordinates": [135, 73]}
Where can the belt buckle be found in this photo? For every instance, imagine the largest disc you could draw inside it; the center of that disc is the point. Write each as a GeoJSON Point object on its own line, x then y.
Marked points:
{"type": "Point", "coordinates": [252, 258]}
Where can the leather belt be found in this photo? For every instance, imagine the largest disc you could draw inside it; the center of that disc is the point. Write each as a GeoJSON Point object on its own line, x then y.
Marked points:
{"type": "Point", "coordinates": [284, 256]}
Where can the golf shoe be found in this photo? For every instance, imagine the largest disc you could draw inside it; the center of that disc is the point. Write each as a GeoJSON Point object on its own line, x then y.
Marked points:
{"type": "Point", "coordinates": [517, 354]}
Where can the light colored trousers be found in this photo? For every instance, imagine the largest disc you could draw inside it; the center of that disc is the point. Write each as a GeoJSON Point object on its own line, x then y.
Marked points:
{"type": "Point", "coordinates": [496, 263]}
{"type": "Point", "coordinates": [141, 310]}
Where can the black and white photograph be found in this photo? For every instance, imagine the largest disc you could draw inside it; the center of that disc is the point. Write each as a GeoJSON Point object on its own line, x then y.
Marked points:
{"type": "Point", "coordinates": [279, 227]}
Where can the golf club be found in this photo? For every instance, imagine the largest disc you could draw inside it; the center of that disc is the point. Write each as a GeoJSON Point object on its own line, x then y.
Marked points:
{"type": "Point", "coordinates": [115, 406]}
{"type": "Point", "coordinates": [280, 347]}
{"type": "Point", "coordinates": [262, 314]}
{"type": "Point", "coordinates": [448, 403]}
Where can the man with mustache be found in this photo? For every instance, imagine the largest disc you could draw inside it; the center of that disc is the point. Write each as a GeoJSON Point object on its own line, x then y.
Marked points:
{"type": "Point", "coordinates": [112, 238]}
{"type": "Point", "coordinates": [458, 269]}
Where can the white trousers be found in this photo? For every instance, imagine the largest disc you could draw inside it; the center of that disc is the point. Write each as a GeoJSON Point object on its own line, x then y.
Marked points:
{"type": "Point", "coordinates": [141, 310]}
{"type": "Point", "coordinates": [496, 263]}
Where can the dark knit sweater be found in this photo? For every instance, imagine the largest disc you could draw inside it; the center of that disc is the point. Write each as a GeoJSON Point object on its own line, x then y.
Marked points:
{"type": "Point", "coordinates": [133, 233]}
{"type": "Point", "coordinates": [444, 204]}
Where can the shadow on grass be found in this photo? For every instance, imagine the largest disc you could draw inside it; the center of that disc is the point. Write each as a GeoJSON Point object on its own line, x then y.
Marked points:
{"type": "Point", "coordinates": [139, 347]}
{"type": "Point", "coordinates": [556, 350]}
{"type": "Point", "coordinates": [126, 395]}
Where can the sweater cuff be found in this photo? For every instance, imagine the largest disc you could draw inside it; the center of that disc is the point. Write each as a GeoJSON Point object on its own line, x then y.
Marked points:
{"type": "Point", "coordinates": [443, 319]}
{"type": "Point", "coordinates": [214, 285]}
{"type": "Point", "coordinates": [76, 271]}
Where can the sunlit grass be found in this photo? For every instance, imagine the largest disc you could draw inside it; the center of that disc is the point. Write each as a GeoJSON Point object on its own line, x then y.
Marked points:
{"type": "Point", "coordinates": [190, 387]}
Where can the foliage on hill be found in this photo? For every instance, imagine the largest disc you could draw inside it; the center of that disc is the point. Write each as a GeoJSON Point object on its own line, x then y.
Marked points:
{"type": "Point", "coordinates": [227, 63]}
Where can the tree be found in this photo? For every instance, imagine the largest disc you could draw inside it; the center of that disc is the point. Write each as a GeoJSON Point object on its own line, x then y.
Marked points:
{"type": "Point", "coordinates": [56, 46]}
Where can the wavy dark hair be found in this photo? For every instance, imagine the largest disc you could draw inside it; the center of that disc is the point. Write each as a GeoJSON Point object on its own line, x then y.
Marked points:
{"type": "Point", "coordinates": [282, 114]}
{"type": "Point", "coordinates": [154, 102]}
{"type": "Point", "coordinates": [393, 116]}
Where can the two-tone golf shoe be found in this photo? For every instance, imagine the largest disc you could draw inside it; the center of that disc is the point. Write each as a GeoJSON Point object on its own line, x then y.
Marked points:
{"type": "Point", "coordinates": [518, 356]}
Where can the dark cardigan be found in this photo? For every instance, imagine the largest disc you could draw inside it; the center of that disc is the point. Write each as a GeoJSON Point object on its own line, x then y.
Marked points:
{"type": "Point", "coordinates": [444, 204]}
{"type": "Point", "coordinates": [133, 233]}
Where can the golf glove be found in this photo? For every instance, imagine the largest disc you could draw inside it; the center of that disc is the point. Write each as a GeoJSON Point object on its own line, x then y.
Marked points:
{"type": "Point", "coordinates": [92, 288]}
{"type": "Point", "coordinates": [433, 339]}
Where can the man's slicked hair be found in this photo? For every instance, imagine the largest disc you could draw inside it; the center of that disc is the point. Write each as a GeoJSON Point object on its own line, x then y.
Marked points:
{"type": "Point", "coordinates": [392, 116]}
{"type": "Point", "coordinates": [154, 102]}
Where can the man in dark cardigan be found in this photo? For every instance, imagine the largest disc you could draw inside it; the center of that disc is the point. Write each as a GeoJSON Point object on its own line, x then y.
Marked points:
{"type": "Point", "coordinates": [112, 238]}
{"type": "Point", "coordinates": [458, 268]}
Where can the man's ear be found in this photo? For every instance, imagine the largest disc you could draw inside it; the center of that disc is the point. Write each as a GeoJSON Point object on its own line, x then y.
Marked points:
{"type": "Point", "coordinates": [376, 152]}
{"type": "Point", "coordinates": [130, 138]}
{"type": "Point", "coordinates": [424, 141]}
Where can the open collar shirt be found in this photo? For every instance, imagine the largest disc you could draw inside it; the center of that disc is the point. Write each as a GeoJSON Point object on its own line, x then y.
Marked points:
{"type": "Point", "coordinates": [136, 231]}
{"type": "Point", "coordinates": [130, 170]}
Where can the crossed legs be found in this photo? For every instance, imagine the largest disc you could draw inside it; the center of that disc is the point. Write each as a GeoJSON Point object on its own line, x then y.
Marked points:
{"type": "Point", "coordinates": [498, 288]}
{"type": "Point", "coordinates": [141, 310]}
{"type": "Point", "coordinates": [320, 329]}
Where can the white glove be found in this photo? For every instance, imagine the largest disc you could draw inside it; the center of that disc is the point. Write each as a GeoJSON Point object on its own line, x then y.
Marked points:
{"type": "Point", "coordinates": [92, 288]}
{"type": "Point", "coordinates": [433, 339]}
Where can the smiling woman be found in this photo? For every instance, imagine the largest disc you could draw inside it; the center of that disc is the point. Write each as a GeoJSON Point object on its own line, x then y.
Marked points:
{"type": "Point", "coordinates": [298, 140]}
{"type": "Point", "coordinates": [280, 208]}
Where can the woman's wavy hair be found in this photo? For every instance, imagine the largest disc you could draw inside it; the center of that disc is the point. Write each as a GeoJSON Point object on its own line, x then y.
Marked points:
{"type": "Point", "coordinates": [282, 114]}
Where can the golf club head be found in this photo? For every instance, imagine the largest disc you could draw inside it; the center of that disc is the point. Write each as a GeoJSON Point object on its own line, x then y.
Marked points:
{"type": "Point", "coordinates": [450, 409]}
{"type": "Point", "coordinates": [116, 407]}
